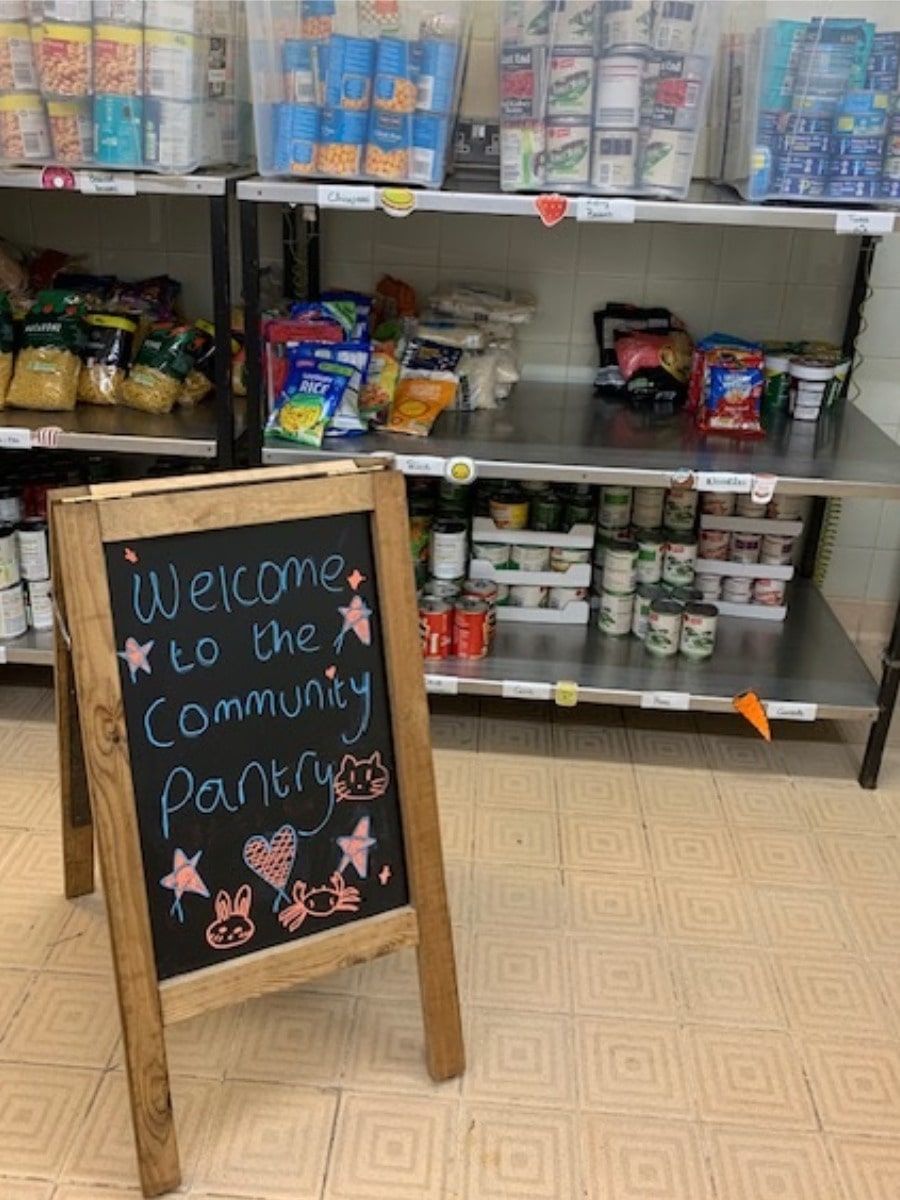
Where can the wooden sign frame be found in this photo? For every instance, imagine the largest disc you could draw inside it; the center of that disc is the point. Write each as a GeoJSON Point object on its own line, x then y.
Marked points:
{"type": "Point", "coordinates": [98, 794]}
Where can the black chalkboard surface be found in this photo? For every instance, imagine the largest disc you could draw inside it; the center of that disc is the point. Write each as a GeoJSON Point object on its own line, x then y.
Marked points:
{"type": "Point", "coordinates": [259, 733]}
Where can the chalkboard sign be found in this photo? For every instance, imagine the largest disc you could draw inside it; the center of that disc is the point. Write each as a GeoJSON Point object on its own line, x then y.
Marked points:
{"type": "Point", "coordinates": [254, 726]}
{"type": "Point", "coordinates": [259, 732]}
